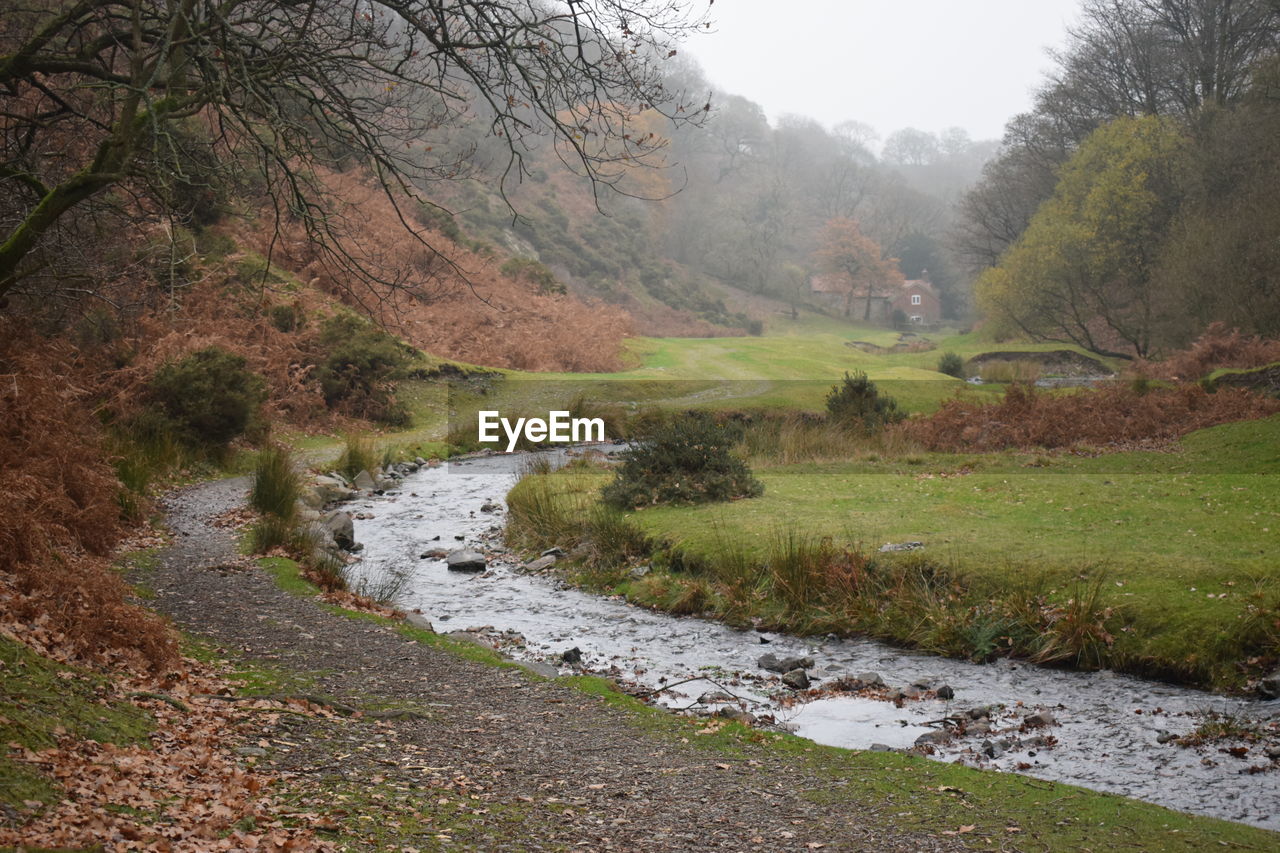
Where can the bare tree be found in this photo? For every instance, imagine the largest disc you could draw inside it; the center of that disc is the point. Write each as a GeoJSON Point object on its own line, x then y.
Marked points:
{"type": "Point", "coordinates": [96, 94]}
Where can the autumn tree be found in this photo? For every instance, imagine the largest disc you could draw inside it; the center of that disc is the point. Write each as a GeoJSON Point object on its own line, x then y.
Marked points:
{"type": "Point", "coordinates": [148, 103]}
{"type": "Point", "coordinates": [1082, 270]}
{"type": "Point", "coordinates": [859, 264]}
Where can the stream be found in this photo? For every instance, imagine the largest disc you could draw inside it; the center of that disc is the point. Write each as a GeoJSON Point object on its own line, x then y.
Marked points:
{"type": "Point", "coordinates": [1105, 728]}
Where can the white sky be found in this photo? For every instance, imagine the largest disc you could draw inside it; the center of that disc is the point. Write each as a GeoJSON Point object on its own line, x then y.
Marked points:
{"type": "Point", "coordinates": [929, 64]}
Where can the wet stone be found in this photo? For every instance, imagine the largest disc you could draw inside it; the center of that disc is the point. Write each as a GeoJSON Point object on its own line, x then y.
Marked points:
{"type": "Point", "coordinates": [935, 738]}
{"type": "Point", "coordinates": [945, 692]}
{"type": "Point", "coordinates": [774, 663]}
{"type": "Point", "coordinates": [465, 560]}
{"type": "Point", "coordinates": [796, 679]}
{"type": "Point", "coordinates": [1040, 718]}
{"type": "Point", "coordinates": [541, 564]}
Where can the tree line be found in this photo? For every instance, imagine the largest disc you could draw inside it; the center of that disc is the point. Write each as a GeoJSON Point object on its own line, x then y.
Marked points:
{"type": "Point", "coordinates": [1135, 204]}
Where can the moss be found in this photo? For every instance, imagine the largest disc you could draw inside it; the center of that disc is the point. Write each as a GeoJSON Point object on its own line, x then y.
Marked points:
{"type": "Point", "coordinates": [41, 700]}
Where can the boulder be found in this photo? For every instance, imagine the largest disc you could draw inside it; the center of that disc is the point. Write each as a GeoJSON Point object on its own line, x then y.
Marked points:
{"type": "Point", "coordinates": [774, 663]}
{"type": "Point", "coordinates": [434, 554]}
{"type": "Point", "coordinates": [340, 527]}
{"type": "Point", "coordinates": [419, 620]}
{"type": "Point", "coordinates": [637, 572]}
{"type": "Point", "coordinates": [979, 727]}
{"type": "Point", "coordinates": [466, 560]}
{"type": "Point", "coordinates": [981, 711]}
{"type": "Point", "coordinates": [541, 564]}
{"type": "Point", "coordinates": [869, 679]}
{"type": "Point", "coordinates": [880, 747]}
{"type": "Point", "coordinates": [993, 749]}
{"type": "Point", "coordinates": [329, 488]}
{"type": "Point", "coordinates": [945, 692]}
{"type": "Point", "coordinates": [364, 482]}
{"type": "Point", "coordinates": [553, 552]}
{"type": "Point", "coordinates": [796, 679]}
{"type": "Point", "coordinates": [311, 497]}
{"type": "Point", "coordinates": [318, 535]}
{"type": "Point", "coordinates": [572, 656]}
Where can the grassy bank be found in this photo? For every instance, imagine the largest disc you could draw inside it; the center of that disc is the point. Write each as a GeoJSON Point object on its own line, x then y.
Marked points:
{"type": "Point", "coordinates": [1157, 563]}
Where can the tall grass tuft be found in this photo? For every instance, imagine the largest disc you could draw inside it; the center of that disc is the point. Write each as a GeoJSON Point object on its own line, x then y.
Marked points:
{"type": "Point", "coordinates": [614, 538]}
{"type": "Point", "coordinates": [271, 532]}
{"type": "Point", "coordinates": [276, 484]}
{"type": "Point", "coordinates": [539, 515]}
{"type": "Point", "coordinates": [1076, 632]}
{"type": "Point", "coordinates": [274, 494]}
{"type": "Point", "coordinates": [796, 568]}
{"type": "Point", "coordinates": [358, 454]}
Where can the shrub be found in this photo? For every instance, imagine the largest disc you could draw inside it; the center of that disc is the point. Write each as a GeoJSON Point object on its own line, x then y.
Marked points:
{"type": "Point", "coordinates": [1218, 347]}
{"type": "Point", "coordinates": [1116, 416]}
{"type": "Point", "coordinates": [439, 219]}
{"type": "Point", "coordinates": [534, 272]}
{"type": "Point", "coordinates": [687, 460]}
{"type": "Point", "coordinates": [856, 403]}
{"type": "Point", "coordinates": [210, 396]}
{"type": "Point", "coordinates": [951, 364]}
{"type": "Point", "coordinates": [61, 516]}
{"type": "Point", "coordinates": [359, 361]}
{"type": "Point", "coordinates": [287, 318]}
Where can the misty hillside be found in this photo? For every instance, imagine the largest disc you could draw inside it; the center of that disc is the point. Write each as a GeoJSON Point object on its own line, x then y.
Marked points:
{"type": "Point", "coordinates": [735, 204]}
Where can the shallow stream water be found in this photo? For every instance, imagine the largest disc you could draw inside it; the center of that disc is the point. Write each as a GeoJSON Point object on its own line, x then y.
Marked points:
{"type": "Point", "coordinates": [1106, 726]}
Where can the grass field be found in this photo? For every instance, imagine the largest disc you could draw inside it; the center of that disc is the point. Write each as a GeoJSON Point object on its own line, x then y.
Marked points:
{"type": "Point", "coordinates": [793, 366]}
{"type": "Point", "coordinates": [1182, 548]}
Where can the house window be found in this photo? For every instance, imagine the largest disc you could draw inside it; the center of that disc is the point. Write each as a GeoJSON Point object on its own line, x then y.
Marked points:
{"type": "Point", "coordinates": [915, 299]}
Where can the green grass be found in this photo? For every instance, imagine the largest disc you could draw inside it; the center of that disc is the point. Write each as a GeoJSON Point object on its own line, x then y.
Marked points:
{"type": "Point", "coordinates": [41, 700]}
{"type": "Point", "coordinates": [1183, 548]}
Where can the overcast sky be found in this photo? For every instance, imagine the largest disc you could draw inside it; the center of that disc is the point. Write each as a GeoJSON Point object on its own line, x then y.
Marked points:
{"type": "Point", "coordinates": [929, 64]}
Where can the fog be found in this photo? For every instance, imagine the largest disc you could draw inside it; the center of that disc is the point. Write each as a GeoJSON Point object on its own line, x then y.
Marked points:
{"type": "Point", "coordinates": [930, 64]}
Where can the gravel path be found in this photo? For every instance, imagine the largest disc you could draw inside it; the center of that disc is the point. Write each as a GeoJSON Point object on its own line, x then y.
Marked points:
{"type": "Point", "coordinates": [515, 764]}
